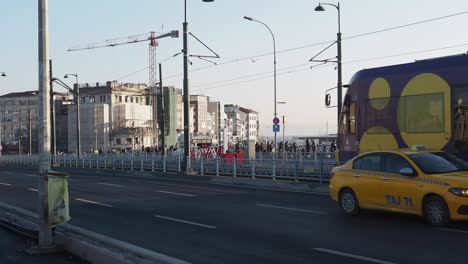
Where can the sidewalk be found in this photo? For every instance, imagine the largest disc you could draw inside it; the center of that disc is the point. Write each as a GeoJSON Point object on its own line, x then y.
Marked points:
{"type": "Point", "coordinates": [12, 248]}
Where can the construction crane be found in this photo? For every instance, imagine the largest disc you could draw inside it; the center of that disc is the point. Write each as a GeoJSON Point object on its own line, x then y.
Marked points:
{"type": "Point", "coordinates": [152, 38]}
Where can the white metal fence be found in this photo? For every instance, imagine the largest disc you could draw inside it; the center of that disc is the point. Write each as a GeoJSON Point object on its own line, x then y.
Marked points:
{"type": "Point", "coordinates": [305, 169]}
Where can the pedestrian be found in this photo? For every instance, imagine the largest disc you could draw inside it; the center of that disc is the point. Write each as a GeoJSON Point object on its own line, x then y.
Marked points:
{"type": "Point", "coordinates": [294, 147]}
{"type": "Point", "coordinates": [313, 146]}
{"type": "Point", "coordinates": [333, 146]}
{"type": "Point", "coordinates": [307, 146]}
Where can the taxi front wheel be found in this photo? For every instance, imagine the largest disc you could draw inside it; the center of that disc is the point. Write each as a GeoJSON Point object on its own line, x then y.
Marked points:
{"type": "Point", "coordinates": [349, 202]}
{"type": "Point", "coordinates": [436, 211]}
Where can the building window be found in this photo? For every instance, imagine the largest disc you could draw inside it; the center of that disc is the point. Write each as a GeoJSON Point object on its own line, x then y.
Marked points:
{"type": "Point", "coordinates": [136, 100]}
{"type": "Point", "coordinates": [120, 99]}
{"type": "Point", "coordinates": [119, 141]}
{"type": "Point", "coordinates": [131, 99]}
{"type": "Point", "coordinates": [126, 99]}
{"type": "Point", "coordinates": [129, 140]}
{"type": "Point", "coordinates": [102, 98]}
{"type": "Point", "coordinates": [82, 100]}
{"type": "Point", "coordinates": [92, 99]}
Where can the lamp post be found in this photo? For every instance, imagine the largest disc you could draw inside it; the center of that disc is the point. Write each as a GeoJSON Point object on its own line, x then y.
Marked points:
{"type": "Point", "coordinates": [283, 118]}
{"type": "Point", "coordinates": [3, 74]}
{"type": "Point", "coordinates": [77, 102]}
{"type": "Point", "coordinates": [339, 59]}
{"type": "Point", "coordinates": [186, 90]}
{"type": "Point", "coordinates": [274, 68]}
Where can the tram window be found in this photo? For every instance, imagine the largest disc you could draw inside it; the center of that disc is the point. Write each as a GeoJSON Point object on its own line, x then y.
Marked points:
{"type": "Point", "coordinates": [422, 113]}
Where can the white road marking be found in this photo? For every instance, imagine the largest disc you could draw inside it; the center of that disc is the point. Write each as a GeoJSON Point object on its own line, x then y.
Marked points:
{"type": "Point", "coordinates": [353, 256]}
{"type": "Point", "coordinates": [184, 221]}
{"type": "Point", "coordinates": [176, 193]}
{"type": "Point", "coordinates": [32, 189]}
{"type": "Point", "coordinates": [93, 202]}
{"type": "Point", "coordinates": [292, 209]}
{"type": "Point", "coordinates": [454, 230]}
{"type": "Point", "coordinates": [31, 175]}
{"type": "Point", "coordinates": [6, 184]}
{"type": "Point", "coordinates": [110, 184]}
{"type": "Point", "coordinates": [8, 172]}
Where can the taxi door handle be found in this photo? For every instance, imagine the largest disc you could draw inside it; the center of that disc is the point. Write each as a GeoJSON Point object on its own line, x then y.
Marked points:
{"type": "Point", "coordinates": [356, 175]}
{"type": "Point", "coordinates": [385, 178]}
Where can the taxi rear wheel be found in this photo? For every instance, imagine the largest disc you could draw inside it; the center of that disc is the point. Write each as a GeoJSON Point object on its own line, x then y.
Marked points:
{"type": "Point", "coordinates": [436, 211]}
{"type": "Point", "coordinates": [349, 202]}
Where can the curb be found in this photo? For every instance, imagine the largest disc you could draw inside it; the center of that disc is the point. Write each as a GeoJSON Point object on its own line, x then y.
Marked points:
{"type": "Point", "coordinates": [88, 245]}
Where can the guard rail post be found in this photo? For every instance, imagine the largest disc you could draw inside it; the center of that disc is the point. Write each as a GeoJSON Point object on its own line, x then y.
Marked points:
{"type": "Point", "coordinates": [217, 166]}
{"type": "Point", "coordinates": [164, 163]}
{"type": "Point", "coordinates": [274, 168]}
{"type": "Point", "coordinates": [234, 167]}
{"type": "Point", "coordinates": [252, 168]}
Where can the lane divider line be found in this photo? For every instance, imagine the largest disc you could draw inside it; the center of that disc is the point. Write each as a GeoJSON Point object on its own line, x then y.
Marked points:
{"type": "Point", "coordinates": [176, 193]}
{"type": "Point", "coordinates": [344, 254]}
{"type": "Point", "coordinates": [6, 184]}
{"type": "Point", "coordinates": [32, 189]}
{"type": "Point", "coordinates": [454, 230]}
{"type": "Point", "coordinates": [93, 202]}
{"type": "Point", "coordinates": [184, 221]}
{"type": "Point", "coordinates": [110, 184]}
{"type": "Point", "coordinates": [291, 209]}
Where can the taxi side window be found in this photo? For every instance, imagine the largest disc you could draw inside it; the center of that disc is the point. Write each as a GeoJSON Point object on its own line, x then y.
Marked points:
{"type": "Point", "coordinates": [394, 163]}
{"type": "Point", "coordinates": [368, 162]}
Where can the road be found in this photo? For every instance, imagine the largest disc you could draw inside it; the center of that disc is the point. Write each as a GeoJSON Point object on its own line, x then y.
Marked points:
{"type": "Point", "coordinates": [207, 223]}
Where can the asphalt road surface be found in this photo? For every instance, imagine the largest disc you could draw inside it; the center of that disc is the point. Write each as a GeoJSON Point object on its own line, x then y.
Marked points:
{"type": "Point", "coordinates": [207, 223]}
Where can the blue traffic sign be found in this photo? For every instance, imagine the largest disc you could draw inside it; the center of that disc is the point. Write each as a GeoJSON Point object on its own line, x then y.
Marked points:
{"type": "Point", "coordinates": [276, 128]}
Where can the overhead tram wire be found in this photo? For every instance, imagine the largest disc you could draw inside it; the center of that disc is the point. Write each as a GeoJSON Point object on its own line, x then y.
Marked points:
{"type": "Point", "coordinates": [307, 46]}
{"type": "Point", "coordinates": [311, 68]}
{"type": "Point", "coordinates": [326, 42]}
{"type": "Point", "coordinates": [143, 69]}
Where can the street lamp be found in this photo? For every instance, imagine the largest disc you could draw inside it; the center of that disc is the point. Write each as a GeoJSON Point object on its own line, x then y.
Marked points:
{"type": "Point", "coordinates": [4, 74]}
{"type": "Point", "coordinates": [186, 89]}
{"type": "Point", "coordinates": [77, 102]}
{"type": "Point", "coordinates": [339, 59]}
{"type": "Point", "coordinates": [274, 65]}
{"type": "Point", "coordinates": [283, 118]}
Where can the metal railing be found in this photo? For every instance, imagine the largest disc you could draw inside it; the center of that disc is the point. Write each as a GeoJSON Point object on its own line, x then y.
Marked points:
{"type": "Point", "coordinates": [305, 169]}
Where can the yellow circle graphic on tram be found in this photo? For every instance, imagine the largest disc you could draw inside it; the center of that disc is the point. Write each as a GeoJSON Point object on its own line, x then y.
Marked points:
{"type": "Point", "coordinates": [379, 93]}
{"type": "Point", "coordinates": [377, 138]}
{"type": "Point", "coordinates": [424, 112]}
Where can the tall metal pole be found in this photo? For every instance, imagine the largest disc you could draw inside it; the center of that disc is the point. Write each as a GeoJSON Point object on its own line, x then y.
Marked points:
{"type": "Point", "coordinates": [162, 115]}
{"type": "Point", "coordinates": [284, 146]}
{"type": "Point", "coordinates": [340, 82]}
{"type": "Point", "coordinates": [45, 234]}
{"type": "Point", "coordinates": [52, 106]}
{"type": "Point", "coordinates": [78, 129]}
{"type": "Point", "coordinates": [30, 132]}
{"type": "Point", "coordinates": [187, 140]}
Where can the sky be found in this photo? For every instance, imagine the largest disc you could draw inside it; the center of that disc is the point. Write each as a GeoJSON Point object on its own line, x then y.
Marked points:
{"type": "Point", "coordinates": [244, 73]}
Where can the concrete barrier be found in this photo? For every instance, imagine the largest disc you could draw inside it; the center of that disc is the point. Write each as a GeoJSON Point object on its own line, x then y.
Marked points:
{"type": "Point", "coordinates": [85, 244]}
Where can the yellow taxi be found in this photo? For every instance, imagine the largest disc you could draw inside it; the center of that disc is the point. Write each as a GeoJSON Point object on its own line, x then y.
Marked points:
{"type": "Point", "coordinates": [432, 184]}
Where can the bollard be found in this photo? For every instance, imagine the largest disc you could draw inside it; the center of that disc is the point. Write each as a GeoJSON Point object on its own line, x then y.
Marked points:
{"type": "Point", "coordinates": [296, 168]}
{"type": "Point", "coordinates": [142, 164]}
{"type": "Point", "coordinates": [152, 163]}
{"type": "Point", "coordinates": [274, 168]}
{"type": "Point", "coordinates": [164, 163]}
{"type": "Point", "coordinates": [105, 161]}
{"type": "Point", "coordinates": [178, 164]}
{"type": "Point", "coordinates": [321, 171]}
{"type": "Point", "coordinates": [97, 161]}
{"type": "Point", "coordinates": [122, 161]}
{"type": "Point", "coordinates": [234, 168]}
{"type": "Point", "coordinates": [217, 166]}
{"type": "Point", "coordinates": [201, 167]}
{"type": "Point", "coordinates": [131, 163]}
{"type": "Point", "coordinates": [253, 168]}
{"type": "Point", "coordinates": [187, 165]}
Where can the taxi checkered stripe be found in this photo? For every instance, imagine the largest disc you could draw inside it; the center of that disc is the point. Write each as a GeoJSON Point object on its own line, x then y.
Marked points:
{"type": "Point", "coordinates": [394, 175]}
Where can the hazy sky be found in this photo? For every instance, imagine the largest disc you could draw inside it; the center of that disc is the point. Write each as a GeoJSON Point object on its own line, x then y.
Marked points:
{"type": "Point", "coordinates": [220, 25]}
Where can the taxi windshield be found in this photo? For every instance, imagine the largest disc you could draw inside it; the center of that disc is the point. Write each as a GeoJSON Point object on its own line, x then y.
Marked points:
{"type": "Point", "coordinates": [438, 162]}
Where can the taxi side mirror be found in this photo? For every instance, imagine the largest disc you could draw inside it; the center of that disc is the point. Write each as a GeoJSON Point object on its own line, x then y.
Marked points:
{"type": "Point", "coordinates": [407, 172]}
